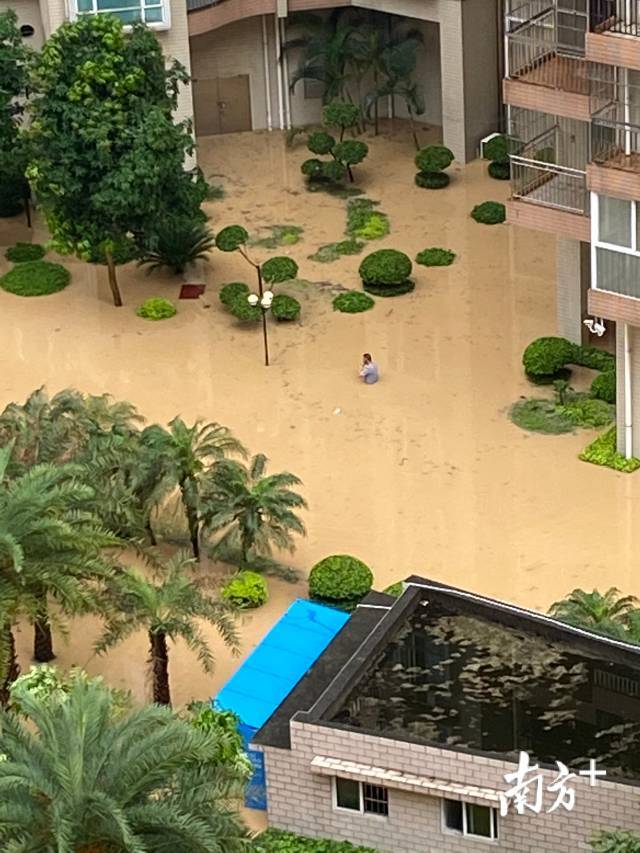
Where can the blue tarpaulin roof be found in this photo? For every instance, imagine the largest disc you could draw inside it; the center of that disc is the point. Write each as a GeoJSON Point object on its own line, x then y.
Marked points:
{"type": "Point", "coordinates": [274, 668]}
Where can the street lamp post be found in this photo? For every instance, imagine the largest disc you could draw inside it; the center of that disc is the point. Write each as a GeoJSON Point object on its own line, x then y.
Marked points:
{"type": "Point", "coordinates": [264, 299]}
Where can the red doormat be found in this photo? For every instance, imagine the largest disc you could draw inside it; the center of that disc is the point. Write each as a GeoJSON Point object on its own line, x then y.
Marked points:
{"type": "Point", "coordinates": [191, 291]}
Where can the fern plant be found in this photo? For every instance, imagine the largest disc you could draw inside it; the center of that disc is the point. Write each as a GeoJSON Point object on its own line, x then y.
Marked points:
{"type": "Point", "coordinates": [175, 244]}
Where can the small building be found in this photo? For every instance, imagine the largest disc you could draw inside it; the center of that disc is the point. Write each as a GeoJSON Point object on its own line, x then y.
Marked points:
{"type": "Point", "coordinates": [271, 671]}
{"type": "Point", "coordinates": [407, 733]}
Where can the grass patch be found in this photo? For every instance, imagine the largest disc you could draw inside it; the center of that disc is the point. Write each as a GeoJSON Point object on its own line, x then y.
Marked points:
{"type": "Point", "coordinates": [332, 251]}
{"type": "Point", "coordinates": [603, 451]}
{"type": "Point", "coordinates": [279, 235]}
{"type": "Point", "coordinates": [552, 417]}
{"type": "Point", "coordinates": [364, 221]}
{"type": "Point", "coordinates": [35, 278]}
{"type": "Point", "coordinates": [335, 190]}
{"type": "Point", "coordinates": [22, 252]}
{"type": "Point", "coordinates": [279, 841]}
{"type": "Point", "coordinates": [353, 302]}
{"type": "Point", "coordinates": [435, 257]}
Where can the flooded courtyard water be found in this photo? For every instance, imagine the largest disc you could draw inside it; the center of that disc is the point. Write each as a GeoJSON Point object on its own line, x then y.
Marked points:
{"type": "Point", "coordinates": [422, 473]}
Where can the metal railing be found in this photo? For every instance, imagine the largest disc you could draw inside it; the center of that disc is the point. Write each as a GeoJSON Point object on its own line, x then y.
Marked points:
{"type": "Point", "coordinates": [615, 137]}
{"type": "Point", "coordinates": [549, 185]}
{"type": "Point", "coordinates": [617, 16]}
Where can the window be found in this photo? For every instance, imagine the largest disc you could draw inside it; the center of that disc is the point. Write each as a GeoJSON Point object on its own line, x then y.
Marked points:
{"type": "Point", "coordinates": [470, 819]}
{"type": "Point", "coordinates": [360, 797]}
{"type": "Point", "coordinates": [615, 221]}
{"type": "Point", "coordinates": [153, 12]}
{"type": "Point", "coordinates": [615, 258]}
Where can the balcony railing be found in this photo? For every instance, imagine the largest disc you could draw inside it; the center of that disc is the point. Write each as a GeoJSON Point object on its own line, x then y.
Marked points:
{"type": "Point", "coordinates": [614, 142]}
{"type": "Point", "coordinates": [616, 16]}
{"type": "Point", "coordinates": [549, 185]}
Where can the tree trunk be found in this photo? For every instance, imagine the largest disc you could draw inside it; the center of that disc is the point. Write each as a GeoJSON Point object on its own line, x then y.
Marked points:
{"type": "Point", "coordinates": [192, 521]}
{"type": "Point", "coordinates": [12, 670]}
{"type": "Point", "coordinates": [150, 533]}
{"type": "Point", "coordinates": [113, 279]}
{"type": "Point", "coordinates": [413, 129]}
{"type": "Point", "coordinates": [350, 173]}
{"type": "Point", "coordinates": [160, 668]}
{"type": "Point", "coordinates": [42, 641]}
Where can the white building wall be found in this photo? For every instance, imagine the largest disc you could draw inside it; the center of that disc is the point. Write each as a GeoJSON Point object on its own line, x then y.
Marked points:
{"type": "Point", "coordinates": [569, 289]}
{"type": "Point", "coordinates": [28, 12]}
{"type": "Point", "coordinates": [634, 362]}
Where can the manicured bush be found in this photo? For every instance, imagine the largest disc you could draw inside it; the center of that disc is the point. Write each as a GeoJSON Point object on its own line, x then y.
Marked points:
{"type": "Point", "coordinates": [386, 273]}
{"type": "Point", "coordinates": [229, 293]}
{"type": "Point", "coordinates": [586, 412]}
{"type": "Point", "coordinates": [285, 307]}
{"type": "Point", "coordinates": [500, 171]}
{"type": "Point", "coordinates": [545, 356]}
{"type": "Point", "coordinates": [334, 171]}
{"type": "Point", "coordinates": [603, 386]}
{"type": "Point", "coordinates": [353, 302]}
{"type": "Point", "coordinates": [340, 579]}
{"type": "Point", "coordinates": [279, 841]}
{"type": "Point", "coordinates": [246, 589]}
{"type": "Point", "coordinates": [243, 311]}
{"type": "Point", "coordinates": [35, 278]}
{"type": "Point", "coordinates": [312, 168]}
{"type": "Point", "coordinates": [497, 150]}
{"type": "Point", "coordinates": [596, 359]}
{"type": "Point", "coordinates": [341, 114]}
{"type": "Point", "coordinates": [395, 589]}
{"type": "Point", "coordinates": [22, 252]}
{"type": "Point", "coordinates": [435, 257]}
{"type": "Point", "coordinates": [603, 451]}
{"type": "Point", "coordinates": [231, 238]}
{"type": "Point", "coordinates": [279, 269]}
{"type": "Point", "coordinates": [489, 212]}
{"type": "Point", "coordinates": [615, 841]}
{"type": "Point", "coordinates": [431, 162]}
{"type": "Point", "coordinates": [320, 142]}
{"type": "Point", "coordinates": [156, 308]}
{"type": "Point", "coordinates": [350, 152]}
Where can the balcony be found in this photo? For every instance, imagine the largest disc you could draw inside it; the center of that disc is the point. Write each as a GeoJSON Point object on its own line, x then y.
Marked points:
{"type": "Point", "coordinates": [545, 67]}
{"type": "Point", "coordinates": [614, 31]}
{"type": "Point", "coordinates": [615, 152]}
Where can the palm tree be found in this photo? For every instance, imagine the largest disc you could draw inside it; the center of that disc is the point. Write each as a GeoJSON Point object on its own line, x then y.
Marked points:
{"type": "Point", "coordinates": [79, 777]}
{"type": "Point", "coordinates": [605, 614]}
{"type": "Point", "coordinates": [188, 451]}
{"type": "Point", "coordinates": [328, 49]}
{"type": "Point", "coordinates": [50, 546]}
{"type": "Point", "coordinates": [176, 243]}
{"type": "Point", "coordinates": [168, 609]}
{"type": "Point", "coordinates": [254, 510]}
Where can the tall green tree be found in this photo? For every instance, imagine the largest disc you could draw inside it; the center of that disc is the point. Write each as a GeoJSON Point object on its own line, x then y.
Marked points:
{"type": "Point", "coordinates": [169, 607]}
{"type": "Point", "coordinates": [14, 77]}
{"type": "Point", "coordinates": [80, 776]}
{"type": "Point", "coordinates": [254, 511]}
{"type": "Point", "coordinates": [188, 452]}
{"type": "Point", "coordinates": [107, 159]}
{"type": "Point", "coordinates": [605, 613]}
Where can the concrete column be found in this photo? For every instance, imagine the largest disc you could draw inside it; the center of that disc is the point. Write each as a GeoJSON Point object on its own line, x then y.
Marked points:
{"type": "Point", "coordinates": [452, 75]}
{"type": "Point", "coordinates": [569, 289]}
{"type": "Point", "coordinates": [482, 83]}
{"type": "Point", "coordinates": [635, 388]}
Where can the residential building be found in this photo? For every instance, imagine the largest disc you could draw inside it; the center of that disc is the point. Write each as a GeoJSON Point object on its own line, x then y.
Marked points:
{"type": "Point", "coordinates": [572, 89]}
{"type": "Point", "coordinates": [407, 732]}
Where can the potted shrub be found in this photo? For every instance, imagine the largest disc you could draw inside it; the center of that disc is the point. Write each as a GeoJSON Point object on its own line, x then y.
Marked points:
{"type": "Point", "coordinates": [431, 162]}
{"type": "Point", "coordinates": [386, 273]}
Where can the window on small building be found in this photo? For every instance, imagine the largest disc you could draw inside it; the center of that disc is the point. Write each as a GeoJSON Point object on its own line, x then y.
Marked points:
{"type": "Point", "coordinates": [129, 11]}
{"type": "Point", "coordinates": [361, 797]}
{"type": "Point", "coordinates": [470, 819]}
{"type": "Point", "coordinates": [614, 221]}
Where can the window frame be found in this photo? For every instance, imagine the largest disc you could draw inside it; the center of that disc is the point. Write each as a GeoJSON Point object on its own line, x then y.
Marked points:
{"type": "Point", "coordinates": [597, 243]}
{"type": "Point", "coordinates": [164, 24]}
{"type": "Point", "coordinates": [464, 833]}
{"type": "Point", "coordinates": [361, 810]}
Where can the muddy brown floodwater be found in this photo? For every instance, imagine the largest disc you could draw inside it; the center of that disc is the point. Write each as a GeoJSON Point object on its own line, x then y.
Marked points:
{"type": "Point", "coordinates": [423, 472]}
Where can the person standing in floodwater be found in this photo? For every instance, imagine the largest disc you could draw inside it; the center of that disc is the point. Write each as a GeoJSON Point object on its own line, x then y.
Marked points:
{"type": "Point", "coordinates": [369, 370]}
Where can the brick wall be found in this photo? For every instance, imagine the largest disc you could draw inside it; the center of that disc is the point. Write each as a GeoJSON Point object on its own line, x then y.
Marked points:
{"type": "Point", "coordinates": [300, 801]}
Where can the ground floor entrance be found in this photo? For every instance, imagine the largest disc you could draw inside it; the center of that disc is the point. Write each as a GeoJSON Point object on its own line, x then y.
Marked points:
{"type": "Point", "coordinates": [221, 104]}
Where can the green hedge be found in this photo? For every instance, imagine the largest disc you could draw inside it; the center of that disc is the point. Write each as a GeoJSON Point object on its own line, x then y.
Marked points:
{"type": "Point", "coordinates": [279, 841]}
{"type": "Point", "coordinates": [545, 356]}
{"type": "Point", "coordinates": [285, 308]}
{"type": "Point", "coordinates": [340, 579]}
{"type": "Point", "coordinates": [395, 589]}
{"type": "Point", "coordinates": [603, 451]}
{"type": "Point", "coordinates": [156, 308]}
{"type": "Point", "coordinates": [22, 252]}
{"type": "Point", "coordinates": [386, 272]}
{"type": "Point", "coordinates": [353, 302]}
{"type": "Point", "coordinates": [489, 213]}
{"type": "Point", "coordinates": [432, 180]}
{"type": "Point", "coordinates": [35, 278]}
{"type": "Point", "coordinates": [246, 589]}
{"type": "Point", "coordinates": [603, 386]}
{"type": "Point", "coordinates": [435, 257]}
{"type": "Point", "coordinates": [615, 841]}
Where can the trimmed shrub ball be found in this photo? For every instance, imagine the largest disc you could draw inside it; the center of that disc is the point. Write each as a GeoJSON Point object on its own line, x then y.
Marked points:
{"type": "Point", "coordinates": [603, 387]}
{"type": "Point", "coordinates": [320, 142]}
{"type": "Point", "coordinates": [500, 171]}
{"type": "Point", "coordinates": [243, 311]}
{"type": "Point", "coordinates": [246, 589]}
{"type": "Point", "coordinates": [353, 302]}
{"type": "Point", "coordinates": [231, 238]}
{"type": "Point", "coordinates": [351, 151]}
{"type": "Point", "coordinates": [232, 291]}
{"type": "Point", "coordinates": [156, 308]}
{"type": "Point", "coordinates": [285, 308]}
{"type": "Point", "coordinates": [312, 168]}
{"type": "Point", "coordinates": [546, 356]}
{"type": "Point", "coordinates": [22, 252]}
{"type": "Point", "coordinates": [35, 278]}
{"type": "Point", "coordinates": [497, 149]}
{"type": "Point", "coordinates": [333, 171]}
{"type": "Point", "coordinates": [279, 269]}
{"type": "Point", "coordinates": [386, 273]}
{"type": "Point", "coordinates": [489, 212]}
{"type": "Point", "coordinates": [341, 114]}
{"type": "Point", "coordinates": [433, 158]}
{"type": "Point", "coordinates": [435, 257]}
{"type": "Point", "coordinates": [432, 180]}
{"type": "Point", "coordinates": [340, 579]}
{"type": "Point", "coordinates": [395, 589]}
